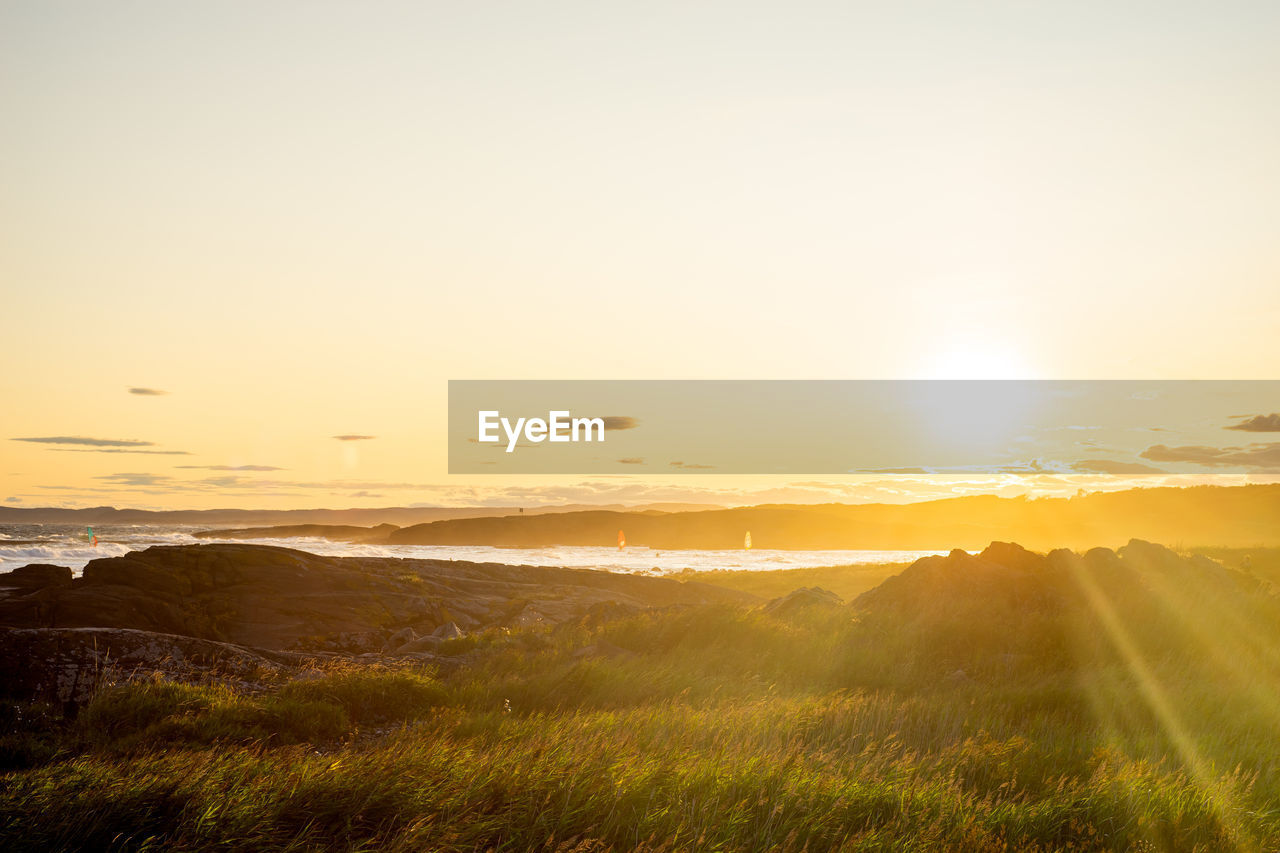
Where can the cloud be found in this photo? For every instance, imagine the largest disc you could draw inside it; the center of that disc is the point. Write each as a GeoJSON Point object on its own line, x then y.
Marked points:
{"type": "Point", "coordinates": [1255, 455]}
{"type": "Point", "coordinates": [1112, 466]}
{"type": "Point", "coordinates": [127, 479]}
{"type": "Point", "coordinates": [355, 437]}
{"type": "Point", "coordinates": [231, 467]}
{"type": "Point", "coordinates": [1259, 423]}
{"type": "Point", "coordinates": [13, 500]}
{"type": "Point", "coordinates": [627, 490]}
{"type": "Point", "coordinates": [104, 489]}
{"type": "Point", "coordinates": [87, 442]}
{"type": "Point", "coordinates": [893, 471]}
{"type": "Point", "coordinates": [148, 392]}
{"type": "Point", "coordinates": [619, 422]}
{"type": "Point", "coordinates": [363, 494]}
{"type": "Point", "coordinates": [1188, 453]}
{"type": "Point", "coordinates": [1033, 466]}
{"type": "Point", "coordinates": [690, 466]}
{"type": "Point", "coordinates": [226, 483]}
{"type": "Point", "coordinates": [116, 450]}
{"type": "Point", "coordinates": [632, 460]}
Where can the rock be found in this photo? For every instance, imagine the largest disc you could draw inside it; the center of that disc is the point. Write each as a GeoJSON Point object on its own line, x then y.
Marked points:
{"type": "Point", "coordinates": [448, 631]}
{"type": "Point", "coordinates": [267, 597]}
{"type": "Point", "coordinates": [1000, 612]}
{"type": "Point", "coordinates": [36, 576]}
{"type": "Point", "coordinates": [422, 644]}
{"type": "Point", "coordinates": [67, 665]}
{"type": "Point", "coordinates": [424, 657]}
{"type": "Point", "coordinates": [1003, 577]}
{"type": "Point", "coordinates": [1012, 555]}
{"type": "Point", "coordinates": [802, 599]}
{"type": "Point", "coordinates": [400, 638]}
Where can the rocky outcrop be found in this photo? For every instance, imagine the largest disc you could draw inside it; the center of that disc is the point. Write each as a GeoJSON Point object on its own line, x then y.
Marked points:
{"type": "Point", "coordinates": [1008, 577]}
{"type": "Point", "coordinates": [277, 598]}
{"type": "Point", "coordinates": [66, 665]}
{"type": "Point", "coordinates": [419, 645]}
{"type": "Point", "coordinates": [36, 576]}
{"type": "Point", "coordinates": [1004, 575]}
{"type": "Point", "coordinates": [799, 600]}
{"type": "Point", "coordinates": [1009, 610]}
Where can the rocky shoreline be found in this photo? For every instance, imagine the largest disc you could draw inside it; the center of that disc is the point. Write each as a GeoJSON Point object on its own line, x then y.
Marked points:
{"type": "Point", "coordinates": [249, 614]}
{"type": "Point", "coordinates": [245, 612]}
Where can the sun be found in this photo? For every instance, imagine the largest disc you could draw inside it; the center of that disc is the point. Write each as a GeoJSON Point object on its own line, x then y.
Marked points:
{"type": "Point", "coordinates": [977, 359]}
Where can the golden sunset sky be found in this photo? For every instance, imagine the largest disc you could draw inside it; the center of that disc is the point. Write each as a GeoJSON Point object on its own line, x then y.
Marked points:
{"type": "Point", "coordinates": [299, 220]}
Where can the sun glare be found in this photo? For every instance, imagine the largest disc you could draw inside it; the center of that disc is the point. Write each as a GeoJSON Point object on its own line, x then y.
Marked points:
{"type": "Point", "coordinates": [977, 359]}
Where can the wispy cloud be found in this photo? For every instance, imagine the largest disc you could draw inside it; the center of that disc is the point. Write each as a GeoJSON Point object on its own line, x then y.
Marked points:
{"type": "Point", "coordinates": [255, 486]}
{"type": "Point", "coordinates": [1253, 456]}
{"type": "Point", "coordinates": [690, 466]}
{"type": "Point", "coordinates": [632, 460]}
{"type": "Point", "coordinates": [118, 450]}
{"type": "Point", "coordinates": [1114, 466]}
{"type": "Point", "coordinates": [614, 422]}
{"type": "Point", "coordinates": [148, 392]}
{"type": "Point", "coordinates": [1259, 423]}
{"type": "Point", "coordinates": [1031, 466]}
{"type": "Point", "coordinates": [625, 490]}
{"type": "Point", "coordinates": [87, 442]}
{"type": "Point", "coordinates": [352, 437]}
{"type": "Point", "coordinates": [231, 467]}
{"type": "Point", "coordinates": [135, 479]}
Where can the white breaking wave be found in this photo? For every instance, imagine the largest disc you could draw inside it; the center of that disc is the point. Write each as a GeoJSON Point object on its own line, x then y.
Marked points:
{"type": "Point", "coordinates": [70, 547]}
{"type": "Point", "coordinates": [21, 555]}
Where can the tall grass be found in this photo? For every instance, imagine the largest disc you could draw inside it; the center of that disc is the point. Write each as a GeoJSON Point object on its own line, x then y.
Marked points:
{"type": "Point", "coordinates": [712, 728]}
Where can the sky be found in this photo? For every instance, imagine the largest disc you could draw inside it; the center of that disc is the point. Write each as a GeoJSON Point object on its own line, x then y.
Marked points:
{"type": "Point", "coordinates": [300, 220]}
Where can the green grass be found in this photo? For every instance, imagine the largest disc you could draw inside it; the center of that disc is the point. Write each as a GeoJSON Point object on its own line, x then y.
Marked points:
{"type": "Point", "coordinates": [715, 728]}
{"type": "Point", "coordinates": [848, 582]}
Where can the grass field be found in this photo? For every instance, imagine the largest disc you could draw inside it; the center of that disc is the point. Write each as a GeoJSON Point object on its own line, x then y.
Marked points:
{"type": "Point", "coordinates": [848, 582]}
{"type": "Point", "coordinates": [1035, 727]}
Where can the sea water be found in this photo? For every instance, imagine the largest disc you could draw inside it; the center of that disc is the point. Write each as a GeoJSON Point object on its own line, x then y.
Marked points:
{"type": "Point", "coordinates": [70, 545]}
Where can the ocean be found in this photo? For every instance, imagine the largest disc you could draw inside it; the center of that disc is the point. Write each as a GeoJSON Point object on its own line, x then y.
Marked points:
{"type": "Point", "coordinates": [68, 545]}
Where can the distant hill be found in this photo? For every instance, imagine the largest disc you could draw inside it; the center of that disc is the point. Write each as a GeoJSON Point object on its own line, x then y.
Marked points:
{"type": "Point", "coordinates": [336, 532]}
{"type": "Point", "coordinates": [1239, 516]}
{"type": "Point", "coordinates": [1233, 517]}
{"type": "Point", "coordinates": [360, 517]}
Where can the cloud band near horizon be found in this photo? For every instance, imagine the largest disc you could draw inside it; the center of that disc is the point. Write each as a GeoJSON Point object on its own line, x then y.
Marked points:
{"type": "Point", "coordinates": [85, 441]}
